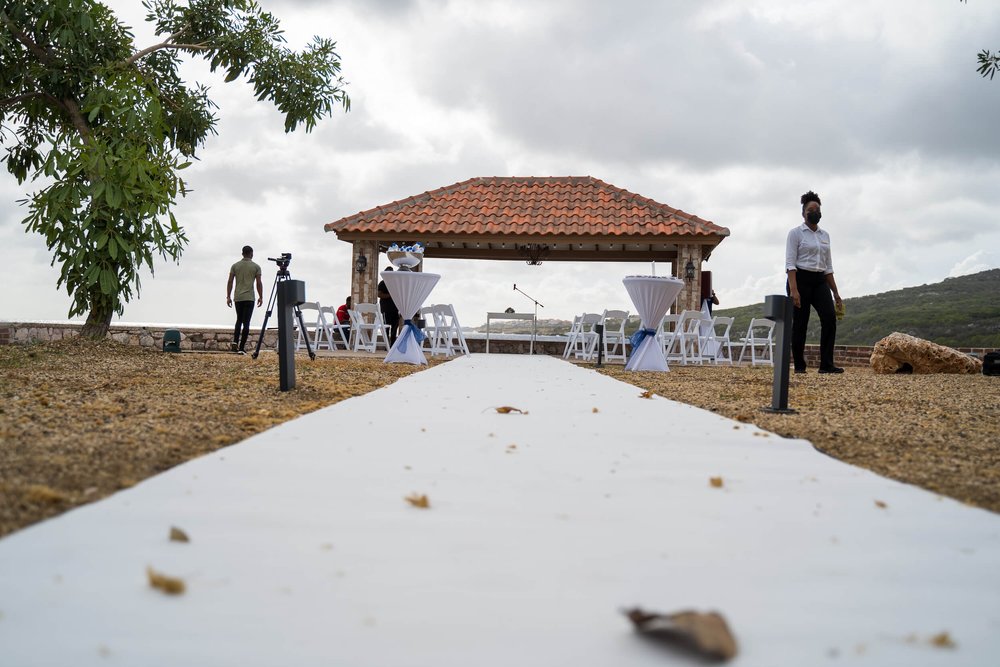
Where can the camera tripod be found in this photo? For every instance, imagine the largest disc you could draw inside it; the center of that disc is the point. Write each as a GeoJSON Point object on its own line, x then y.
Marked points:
{"type": "Point", "coordinates": [282, 276]}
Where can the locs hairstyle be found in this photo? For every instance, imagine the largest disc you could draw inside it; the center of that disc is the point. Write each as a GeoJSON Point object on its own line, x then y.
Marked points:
{"type": "Point", "coordinates": [808, 197]}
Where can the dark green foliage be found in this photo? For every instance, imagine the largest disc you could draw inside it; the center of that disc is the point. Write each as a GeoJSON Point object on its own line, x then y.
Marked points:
{"type": "Point", "coordinates": [958, 312]}
{"type": "Point", "coordinates": [106, 129]}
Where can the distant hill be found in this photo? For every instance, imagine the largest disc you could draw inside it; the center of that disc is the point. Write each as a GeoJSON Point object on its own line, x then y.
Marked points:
{"type": "Point", "coordinates": [958, 312]}
{"type": "Point", "coordinates": [546, 327]}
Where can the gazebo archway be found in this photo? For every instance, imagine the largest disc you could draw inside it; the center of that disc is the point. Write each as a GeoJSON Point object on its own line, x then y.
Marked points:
{"type": "Point", "coordinates": [567, 218]}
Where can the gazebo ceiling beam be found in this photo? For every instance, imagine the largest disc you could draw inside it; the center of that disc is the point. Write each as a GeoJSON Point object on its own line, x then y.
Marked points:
{"type": "Point", "coordinates": [557, 254]}
{"type": "Point", "coordinates": [560, 248]}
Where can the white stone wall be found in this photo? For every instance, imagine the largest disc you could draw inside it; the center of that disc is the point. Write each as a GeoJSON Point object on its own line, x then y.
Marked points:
{"type": "Point", "coordinates": [207, 339]}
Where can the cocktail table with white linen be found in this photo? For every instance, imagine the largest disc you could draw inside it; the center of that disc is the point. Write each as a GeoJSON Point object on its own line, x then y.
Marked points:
{"type": "Point", "coordinates": [652, 296]}
{"type": "Point", "coordinates": [409, 290]}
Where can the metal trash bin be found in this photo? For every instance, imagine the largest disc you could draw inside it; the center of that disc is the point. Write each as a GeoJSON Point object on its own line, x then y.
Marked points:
{"type": "Point", "coordinates": [171, 340]}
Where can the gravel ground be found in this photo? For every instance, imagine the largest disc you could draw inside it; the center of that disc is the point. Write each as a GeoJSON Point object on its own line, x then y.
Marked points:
{"type": "Point", "coordinates": [935, 431]}
{"type": "Point", "coordinates": [79, 421]}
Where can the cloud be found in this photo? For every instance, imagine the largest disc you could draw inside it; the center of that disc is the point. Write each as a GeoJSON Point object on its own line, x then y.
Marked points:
{"type": "Point", "coordinates": [728, 110]}
{"type": "Point", "coordinates": [659, 82]}
{"type": "Point", "coordinates": [981, 260]}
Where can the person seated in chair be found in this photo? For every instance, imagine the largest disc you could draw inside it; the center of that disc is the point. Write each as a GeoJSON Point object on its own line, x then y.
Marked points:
{"type": "Point", "coordinates": [344, 318]}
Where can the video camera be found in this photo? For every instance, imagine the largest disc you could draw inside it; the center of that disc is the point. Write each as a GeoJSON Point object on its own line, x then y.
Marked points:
{"type": "Point", "coordinates": [283, 261]}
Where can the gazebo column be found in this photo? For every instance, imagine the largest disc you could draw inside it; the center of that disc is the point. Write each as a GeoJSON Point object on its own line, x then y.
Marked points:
{"type": "Point", "coordinates": [690, 295]}
{"type": "Point", "coordinates": [363, 284]}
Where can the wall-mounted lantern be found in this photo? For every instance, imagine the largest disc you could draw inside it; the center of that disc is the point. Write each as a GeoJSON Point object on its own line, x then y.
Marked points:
{"type": "Point", "coordinates": [361, 263]}
{"type": "Point", "coordinates": [689, 271]}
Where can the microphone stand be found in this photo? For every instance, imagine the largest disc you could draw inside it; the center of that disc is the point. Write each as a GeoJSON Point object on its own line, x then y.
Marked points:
{"type": "Point", "coordinates": [534, 322]}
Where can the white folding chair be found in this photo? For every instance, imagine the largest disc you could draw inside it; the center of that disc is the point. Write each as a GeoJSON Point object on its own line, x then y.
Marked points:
{"type": "Point", "coordinates": [311, 322]}
{"type": "Point", "coordinates": [452, 330]}
{"type": "Point", "coordinates": [694, 322]}
{"type": "Point", "coordinates": [330, 332]}
{"type": "Point", "coordinates": [760, 333]}
{"type": "Point", "coordinates": [574, 333]}
{"type": "Point", "coordinates": [360, 331]}
{"type": "Point", "coordinates": [685, 344]}
{"type": "Point", "coordinates": [667, 332]}
{"type": "Point", "coordinates": [436, 330]}
{"type": "Point", "coordinates": [368, 331]}
{"type": "Point", "coordinates": [586, 341]}
{"type": "Point", "coordinates": [717, 342]}
{"type": "Point", "coordinates": [431, 331]}
{"type": "Point", "coordinates": [614, 334]}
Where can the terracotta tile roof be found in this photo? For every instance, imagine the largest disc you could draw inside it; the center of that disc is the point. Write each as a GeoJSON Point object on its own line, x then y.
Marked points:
{"type": "Point", "coordinates": [537, 206]}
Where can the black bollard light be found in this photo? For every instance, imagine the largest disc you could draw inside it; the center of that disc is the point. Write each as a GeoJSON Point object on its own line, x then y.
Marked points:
{"type": "Point", "coordinates": [778, 307]}
{"type": "Point", "coordinates": [291, 293]}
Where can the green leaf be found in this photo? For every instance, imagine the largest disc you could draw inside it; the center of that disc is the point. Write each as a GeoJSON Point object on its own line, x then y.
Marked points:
{"type": "Point", "coordinates": [91, 275]}
{"type": "Point", "coordinates": [107, 281]}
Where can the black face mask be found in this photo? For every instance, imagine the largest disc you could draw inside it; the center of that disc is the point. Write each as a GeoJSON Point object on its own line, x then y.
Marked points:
{"type": "Point", "coordinates": [812, 217]}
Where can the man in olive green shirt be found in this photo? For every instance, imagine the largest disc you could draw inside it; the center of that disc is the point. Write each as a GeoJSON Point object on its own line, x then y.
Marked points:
{"type": "Point", "coordinates": [243, 273]}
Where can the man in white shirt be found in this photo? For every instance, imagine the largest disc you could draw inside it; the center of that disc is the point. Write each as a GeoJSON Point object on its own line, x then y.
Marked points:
{"type": "Point", "coordinates": [809, 267]}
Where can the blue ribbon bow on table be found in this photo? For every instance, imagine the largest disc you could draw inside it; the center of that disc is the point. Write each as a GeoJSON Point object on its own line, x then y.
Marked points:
{"type": "Point", "coordinates": [411, 329]}
{"type": "Point", "coordinates": [638, 337]}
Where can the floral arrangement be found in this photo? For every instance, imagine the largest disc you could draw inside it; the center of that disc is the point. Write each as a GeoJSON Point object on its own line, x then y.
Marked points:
{"type": "Point", "coordinates": [405, 257]}
{"type": "Point", "coordinates": [415, 248]}
{"type": "Point", "coordinates": [657, 277]}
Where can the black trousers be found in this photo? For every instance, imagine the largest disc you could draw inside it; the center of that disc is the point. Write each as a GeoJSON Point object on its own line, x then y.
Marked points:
{"type": "Point", "coordinates": [244, 311]}
{"type": "Point", "coordinates": [390, 316]}
{"type": "Point", "coordinates": [813, 293]}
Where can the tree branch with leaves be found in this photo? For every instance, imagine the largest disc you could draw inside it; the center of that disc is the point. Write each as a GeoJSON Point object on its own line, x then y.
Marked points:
{"type": "Point", "coordinates": [106, 128]}
{"type": "Point", "coordinates": [989, 61]}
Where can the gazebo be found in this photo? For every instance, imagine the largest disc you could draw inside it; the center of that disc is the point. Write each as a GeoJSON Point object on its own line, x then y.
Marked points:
{"type": "Point", "coordinates": [560, 218]}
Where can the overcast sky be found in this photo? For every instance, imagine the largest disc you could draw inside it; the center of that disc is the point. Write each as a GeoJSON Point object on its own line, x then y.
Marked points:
{"type": "Point", "coordinates": [729, 110]}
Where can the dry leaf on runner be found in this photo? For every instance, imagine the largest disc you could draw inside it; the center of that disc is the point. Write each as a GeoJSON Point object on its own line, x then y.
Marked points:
{"type": "Point", "coordinates": [169, 585]}
{"type": "Point", "coordinates": [178, 535]}
{"type": "Point", "coordinates": [716, 482]}
{"type": "Point", "coordinates": [943, 640]}
{"type": "Point", "coordinates": [880, 504]}
{"type": "Point", "coordinates": [595, 410]}
{"type": "Point", "coordinates": [506, 410]}
{"type": "Point", "coordinates": [704, 633]}
{"type": "Point", "coordinates": [419, 500]}
{"type": "Point", "coordinates": [646, 394]}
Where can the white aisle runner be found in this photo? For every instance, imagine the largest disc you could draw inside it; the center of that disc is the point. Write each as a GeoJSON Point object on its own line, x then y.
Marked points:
{"type": "Point", "coordinates": [541, 527]}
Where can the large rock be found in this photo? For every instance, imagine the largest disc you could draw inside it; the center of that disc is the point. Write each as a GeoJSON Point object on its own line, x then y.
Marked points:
{"type": "Point", "coordinates": [900, 353]}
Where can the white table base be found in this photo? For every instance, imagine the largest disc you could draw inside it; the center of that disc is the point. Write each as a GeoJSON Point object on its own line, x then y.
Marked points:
{"type": "Point", "coordinates": [409, 290]}
{"type": "Point", "coordinates": [652, 297]}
